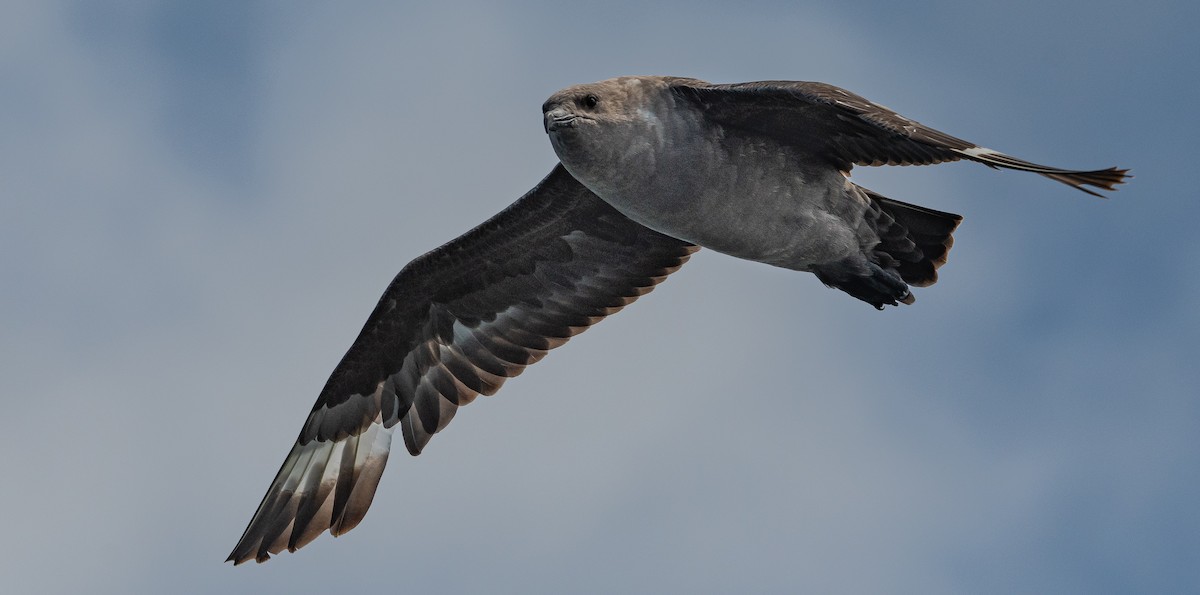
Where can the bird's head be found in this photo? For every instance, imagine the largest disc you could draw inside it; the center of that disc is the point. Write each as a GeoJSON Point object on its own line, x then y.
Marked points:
{"type": "Point", "coordinates": [599, 128]}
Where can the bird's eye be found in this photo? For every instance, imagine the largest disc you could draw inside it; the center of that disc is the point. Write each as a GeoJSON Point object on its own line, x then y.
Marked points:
{"type": "Point", "coordinates": [590, 101]}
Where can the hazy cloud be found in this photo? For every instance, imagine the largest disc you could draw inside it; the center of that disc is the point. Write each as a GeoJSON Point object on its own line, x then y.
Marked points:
{"type": "Point", "coordinates": [202, 203]}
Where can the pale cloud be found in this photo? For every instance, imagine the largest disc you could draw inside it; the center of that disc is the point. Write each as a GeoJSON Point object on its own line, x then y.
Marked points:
{"type": "Point", "coordinates": [171, 314]}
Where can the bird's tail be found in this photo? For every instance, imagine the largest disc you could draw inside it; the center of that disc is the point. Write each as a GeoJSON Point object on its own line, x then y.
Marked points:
{"type": "Point", "coordinates": [913, 242]}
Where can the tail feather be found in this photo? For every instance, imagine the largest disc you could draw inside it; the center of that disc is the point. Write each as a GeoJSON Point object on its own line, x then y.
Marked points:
{"type": "Point", "coordinates": [914, 240]}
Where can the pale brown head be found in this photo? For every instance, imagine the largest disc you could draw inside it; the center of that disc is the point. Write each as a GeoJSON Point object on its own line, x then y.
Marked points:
{"type": "Point", "coordinates": [597, 129]}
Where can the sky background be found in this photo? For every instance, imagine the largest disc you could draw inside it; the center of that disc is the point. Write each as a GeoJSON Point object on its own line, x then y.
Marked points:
{"type": "Point", "coordinates": [200, 203]}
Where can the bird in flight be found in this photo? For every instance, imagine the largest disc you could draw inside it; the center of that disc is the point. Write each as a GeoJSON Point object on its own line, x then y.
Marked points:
{"type": "Point", "coordinates": [651, 169]}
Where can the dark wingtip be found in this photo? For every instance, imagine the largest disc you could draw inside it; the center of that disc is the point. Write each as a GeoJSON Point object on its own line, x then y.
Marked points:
{"type": "Point", "coordinates": [236, 558]}
{"type": "Point", "coordinates": [1102, 179]}
{"type": "Point", "coordinates": [242, 554]}
{"type": "Point", "coordinates": [1115, 176]}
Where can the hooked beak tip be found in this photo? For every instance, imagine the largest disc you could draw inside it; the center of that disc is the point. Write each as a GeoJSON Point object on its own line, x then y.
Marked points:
{"type": "Point", "coordinates": [558, 118]}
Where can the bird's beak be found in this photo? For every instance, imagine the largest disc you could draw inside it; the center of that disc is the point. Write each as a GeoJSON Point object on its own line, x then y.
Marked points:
{"type": "Point", "coordinates": [557, 117]}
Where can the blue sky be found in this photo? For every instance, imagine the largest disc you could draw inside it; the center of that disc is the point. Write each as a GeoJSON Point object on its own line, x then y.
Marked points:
{"type": "Point", "coordinates": [201, 203]}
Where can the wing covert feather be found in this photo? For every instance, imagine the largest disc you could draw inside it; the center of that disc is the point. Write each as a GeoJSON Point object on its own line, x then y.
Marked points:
{"type": "Point", "coordinates": [456, 323]}
{"type": "Point", "coordinates": [846, 129]}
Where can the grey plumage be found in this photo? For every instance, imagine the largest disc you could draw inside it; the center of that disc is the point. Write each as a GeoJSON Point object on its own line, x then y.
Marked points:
{"type": "Point", "coordinates": [652, 169]}
{"type": "Point", "coordinates": [761, 170]}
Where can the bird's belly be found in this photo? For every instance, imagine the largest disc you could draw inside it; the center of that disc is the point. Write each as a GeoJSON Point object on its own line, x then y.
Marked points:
{"type": "Point", "coordinates": [760, 208]}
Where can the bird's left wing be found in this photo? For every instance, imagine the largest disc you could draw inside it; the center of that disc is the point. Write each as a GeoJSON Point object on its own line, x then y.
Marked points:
{"type": "Point", "coordinates": [455, 323]}
{"type": "Point", "coordinates": [845, 129]}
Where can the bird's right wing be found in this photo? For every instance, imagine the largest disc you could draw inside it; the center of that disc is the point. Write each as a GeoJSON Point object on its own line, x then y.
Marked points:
{"type": "Point", "coordinates": [456, 323]}
{"type": "Point", "coordinates": [832, 123]}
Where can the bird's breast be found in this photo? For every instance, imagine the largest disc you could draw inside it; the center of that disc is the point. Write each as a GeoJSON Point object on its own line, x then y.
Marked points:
{"type": "Point", "coordinates": [746, 197]}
